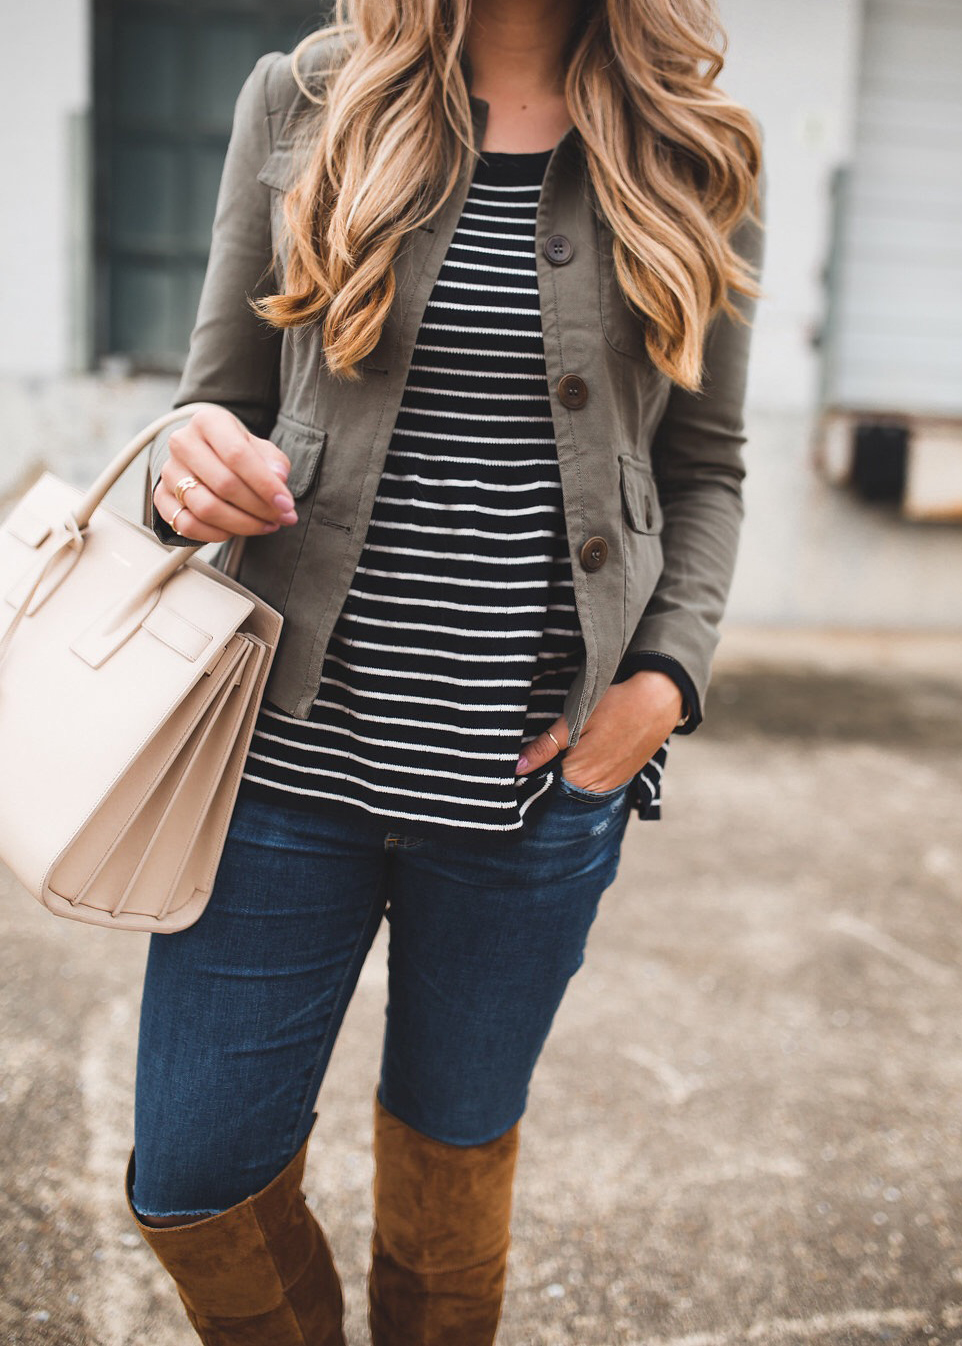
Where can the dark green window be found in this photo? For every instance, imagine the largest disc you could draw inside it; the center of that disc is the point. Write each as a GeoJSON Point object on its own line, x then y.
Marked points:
{"type": "Point", "coordinates": [167, 75]}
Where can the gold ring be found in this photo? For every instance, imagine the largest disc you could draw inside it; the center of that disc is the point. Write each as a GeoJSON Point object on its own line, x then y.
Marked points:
{"type": "Point", "coordinates": [173, 520]}
{"type": "Point", "coordinates": [553, 739]}
{"type": "Point", "coordinates": [183, 486]}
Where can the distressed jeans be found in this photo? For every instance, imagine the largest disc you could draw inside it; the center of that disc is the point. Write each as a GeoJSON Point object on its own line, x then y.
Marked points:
{"type": "Point", "coordinates": [241, 1010]}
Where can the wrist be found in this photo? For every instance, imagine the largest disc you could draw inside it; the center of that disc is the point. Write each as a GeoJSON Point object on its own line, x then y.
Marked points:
{"type": "Point", "coordinates": [646, 678]}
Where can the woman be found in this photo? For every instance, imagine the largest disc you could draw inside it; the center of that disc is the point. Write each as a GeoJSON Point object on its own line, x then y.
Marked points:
{"type": "Point", "coordinates": [476, 325]}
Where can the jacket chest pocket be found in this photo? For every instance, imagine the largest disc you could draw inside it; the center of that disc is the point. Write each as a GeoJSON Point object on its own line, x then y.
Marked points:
{"type": "Point", "coordinates": [279, 172]}
{"type": "Point", "coordinates": [623, 328]}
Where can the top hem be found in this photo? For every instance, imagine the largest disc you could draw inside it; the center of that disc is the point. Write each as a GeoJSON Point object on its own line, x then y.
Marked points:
{"type": "Point", "coordinates": [462, 832]}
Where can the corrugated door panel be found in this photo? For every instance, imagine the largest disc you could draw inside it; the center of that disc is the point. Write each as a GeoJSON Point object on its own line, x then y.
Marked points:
{"type": "Point", "coordinates": [895, 330]}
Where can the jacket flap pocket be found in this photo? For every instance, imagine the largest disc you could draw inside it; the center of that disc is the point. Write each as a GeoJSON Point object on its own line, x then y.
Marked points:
{"type": "Point", "coordinates": [304, 446]}
{"type": "Point", "coordinates": [279, 169]}
{"type": "Point", "coordinates": [640, 494]}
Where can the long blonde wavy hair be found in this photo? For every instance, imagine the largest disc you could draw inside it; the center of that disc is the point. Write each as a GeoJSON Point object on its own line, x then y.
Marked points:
{"type": "Point", "coordinates": [673, 163]}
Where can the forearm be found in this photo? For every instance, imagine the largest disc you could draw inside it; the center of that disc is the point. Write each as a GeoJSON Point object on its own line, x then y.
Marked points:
{"type": "Point", "coordinates": [699, 468]}
{"type": "Point", "coordinates": [679, 629]}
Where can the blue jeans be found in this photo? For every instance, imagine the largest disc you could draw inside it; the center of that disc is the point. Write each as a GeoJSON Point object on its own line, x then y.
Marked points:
{"type": "Point", "coordinates": [240, 1010]}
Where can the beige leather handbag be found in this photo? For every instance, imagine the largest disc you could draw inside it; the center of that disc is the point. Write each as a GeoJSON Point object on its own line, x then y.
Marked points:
{"type": "Point", "coordinates": [130, 678]}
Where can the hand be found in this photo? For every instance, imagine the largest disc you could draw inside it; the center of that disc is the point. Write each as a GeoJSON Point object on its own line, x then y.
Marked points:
{"type": "Point", "coordinates": [629, 723]}
{"type": "Point", "coordinates": [241, 479]}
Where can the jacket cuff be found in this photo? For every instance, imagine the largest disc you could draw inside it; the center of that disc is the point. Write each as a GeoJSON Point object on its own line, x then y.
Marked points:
{"type": "Point", "coordinates": [635, 662]}
{"type": "Point", "coordinates": [159, 526]}
{"type": "Point", "coordinates": [164, 533]}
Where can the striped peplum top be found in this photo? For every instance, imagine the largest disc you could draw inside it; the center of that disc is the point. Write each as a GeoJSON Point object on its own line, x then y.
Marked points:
{"type": "Point", "coordinates": [459, 636]}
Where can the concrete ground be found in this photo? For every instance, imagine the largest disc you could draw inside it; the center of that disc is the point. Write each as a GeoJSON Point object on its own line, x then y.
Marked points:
{"type": "Point", "coordinates": [747, 1125]}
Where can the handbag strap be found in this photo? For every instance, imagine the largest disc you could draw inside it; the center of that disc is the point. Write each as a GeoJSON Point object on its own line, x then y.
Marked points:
{"type": "Point", "coordinates": [69, 540]}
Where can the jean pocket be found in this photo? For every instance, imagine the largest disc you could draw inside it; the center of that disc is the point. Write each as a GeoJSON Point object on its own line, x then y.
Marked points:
{"type": "Point", "coordinates": [584, 796]}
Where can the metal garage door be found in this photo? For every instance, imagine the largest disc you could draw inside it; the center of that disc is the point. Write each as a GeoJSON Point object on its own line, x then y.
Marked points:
{"type": "Point", "coordinates": [894, 336]}
{"type": "Point", "coordinates": [167, 75]}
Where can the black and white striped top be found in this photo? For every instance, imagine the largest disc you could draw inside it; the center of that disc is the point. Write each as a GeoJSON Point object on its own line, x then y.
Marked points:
{"type": "Point", "coordinates": [459, 636]}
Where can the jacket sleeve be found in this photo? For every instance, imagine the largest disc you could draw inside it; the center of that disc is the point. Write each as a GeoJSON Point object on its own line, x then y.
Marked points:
{"type": "Point", "coordinates": [234, 356]}
{"type": "Point", "coordinates": [698, 466]}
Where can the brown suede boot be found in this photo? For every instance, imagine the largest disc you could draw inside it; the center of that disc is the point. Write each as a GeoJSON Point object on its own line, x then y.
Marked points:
{"type": "Point", "coordinates": [441, 1233]}
{"type": "Point", "coordinates": [258, 1274]}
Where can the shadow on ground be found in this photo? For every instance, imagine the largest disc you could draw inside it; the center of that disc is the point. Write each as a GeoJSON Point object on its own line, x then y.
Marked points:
{"type": "Point", "coordinates": [819, 708]}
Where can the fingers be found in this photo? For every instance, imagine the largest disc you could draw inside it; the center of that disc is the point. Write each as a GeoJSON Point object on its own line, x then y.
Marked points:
{"type": "Point", "coordinates": [238, 471]}
{"type": "Point", "coordinates": [189, 525]}
{"type": "Point", "coordinates": [544, 747]}
{"type": "Point", "coordinates": [204, 518]}
{"type": "Point", "coordinates": [168, 506]}
{"type": "Point", "coordinates": [192, 456]}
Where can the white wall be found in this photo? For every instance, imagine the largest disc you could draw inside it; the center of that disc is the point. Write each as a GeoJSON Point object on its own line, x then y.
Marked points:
{"type": "Point", "coordinates": [795, 66]}
{"type": "Point", "coordinates": [46, 81]}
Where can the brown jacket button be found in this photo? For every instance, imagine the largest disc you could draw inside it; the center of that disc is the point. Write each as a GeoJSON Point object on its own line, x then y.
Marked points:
{"type": "Point", "coordinates": [558, 249]}
{"type": "Point", "coordinates": [573, 391]}
{"type": "Point", "coordinates": [594, 553]}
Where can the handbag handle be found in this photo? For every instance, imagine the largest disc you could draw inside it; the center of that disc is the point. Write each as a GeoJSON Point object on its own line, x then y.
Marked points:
{"type": "Point", "coordinates": [71, 540]}
{"type": "Point", "coordinates": [119, 464]}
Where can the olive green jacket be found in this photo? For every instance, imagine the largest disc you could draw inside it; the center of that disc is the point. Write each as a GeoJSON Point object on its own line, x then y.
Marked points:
{"type": "Point", "coordinates": [651, 475]}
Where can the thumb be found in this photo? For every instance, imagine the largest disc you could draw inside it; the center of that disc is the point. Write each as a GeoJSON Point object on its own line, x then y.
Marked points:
{"type": "Point", "coordinates": [543, 748]}
{"type": "Point", "coordinates": [273, 456]}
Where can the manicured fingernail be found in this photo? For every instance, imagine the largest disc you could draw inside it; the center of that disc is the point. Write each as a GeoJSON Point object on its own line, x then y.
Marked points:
{"type": "Point", "coordinates": [522, 765]}
{"type": "Point", "coordinates": [281, 470]}
{"type": "Point", "coordinates": [289, 517]}
{"type": "Point", "coordinates": [284, 500]}
{"type": "Point", "coordinates": [270, 528]}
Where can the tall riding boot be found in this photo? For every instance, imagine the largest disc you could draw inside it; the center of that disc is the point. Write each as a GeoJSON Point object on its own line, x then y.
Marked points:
{"type": "Point", "coordinates": [258, 1274]}
{"type": "Point", "coordinates": [441, 1233]}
